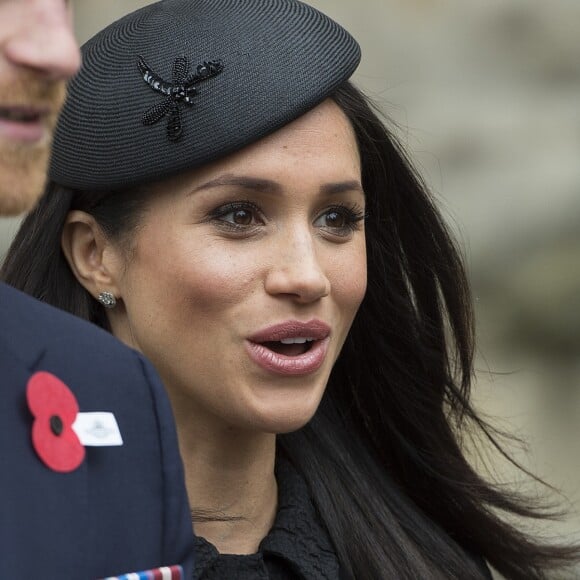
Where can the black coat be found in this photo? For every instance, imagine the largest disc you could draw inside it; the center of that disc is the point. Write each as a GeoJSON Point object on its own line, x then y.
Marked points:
{"type": "Point", "coordinates": [123, 509]}
{"type": "Point", "coordinates": [296, 548]}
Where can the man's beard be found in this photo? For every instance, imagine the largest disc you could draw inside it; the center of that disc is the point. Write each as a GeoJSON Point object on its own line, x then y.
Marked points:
{"type": "Point", "coordinates": [23, 165]}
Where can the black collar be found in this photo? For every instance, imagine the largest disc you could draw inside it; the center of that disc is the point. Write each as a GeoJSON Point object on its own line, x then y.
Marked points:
{"type": "Point", "coordinates": [297, 538]}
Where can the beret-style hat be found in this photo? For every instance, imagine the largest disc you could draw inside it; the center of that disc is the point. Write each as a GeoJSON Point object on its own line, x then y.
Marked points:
{"type": "Point", "coordinates": [180, 83]}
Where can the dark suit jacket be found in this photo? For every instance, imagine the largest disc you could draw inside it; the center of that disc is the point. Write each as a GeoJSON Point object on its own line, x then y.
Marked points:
{"type": "Point", "coordinates": [125, 508]}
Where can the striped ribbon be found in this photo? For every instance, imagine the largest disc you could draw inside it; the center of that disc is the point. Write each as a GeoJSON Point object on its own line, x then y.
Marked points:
{"type": "Point", "coordinates": [163, 573]}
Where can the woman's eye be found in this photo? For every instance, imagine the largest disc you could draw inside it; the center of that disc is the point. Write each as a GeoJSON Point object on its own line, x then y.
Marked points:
{"type": "Point", "coordinates": [341, 220]}
{"type": "Point", "coordinates": [335, 219]}
{"type": "Point", "coordinates": [240, 217]}
{"type": "Point", "coordinates": [237, 216]}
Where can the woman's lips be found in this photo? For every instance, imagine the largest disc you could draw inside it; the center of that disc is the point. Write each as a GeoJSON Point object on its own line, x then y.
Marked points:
{"type": "Point", "coordinates": [316, 333]}
{"type": "Point", "coordinates": [301, 364]}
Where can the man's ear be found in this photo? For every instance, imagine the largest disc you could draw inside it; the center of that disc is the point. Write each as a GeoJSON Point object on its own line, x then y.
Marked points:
{"type": "Point", "coordinates": [93, 260]}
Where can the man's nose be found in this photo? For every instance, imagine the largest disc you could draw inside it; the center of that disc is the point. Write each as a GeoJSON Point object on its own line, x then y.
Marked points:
{"type": "Point", "coordinates": [296, 271]}
{"type": "Point", "coordinates": [43, 40]}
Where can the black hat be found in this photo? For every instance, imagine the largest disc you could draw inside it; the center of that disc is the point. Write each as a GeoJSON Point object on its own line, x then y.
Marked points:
{"type": "Point", "coordinates": [180, 83]}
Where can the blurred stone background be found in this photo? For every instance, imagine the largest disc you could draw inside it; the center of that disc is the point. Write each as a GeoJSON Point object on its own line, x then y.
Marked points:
{"type": "Point", "coordinates": [485, 94]}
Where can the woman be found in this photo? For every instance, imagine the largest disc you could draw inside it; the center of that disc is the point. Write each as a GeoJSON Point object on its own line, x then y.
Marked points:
{"type": "Point", "coordinates": [225, 201]}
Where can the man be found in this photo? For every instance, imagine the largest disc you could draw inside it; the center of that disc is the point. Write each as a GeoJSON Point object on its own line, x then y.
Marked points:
{"type": "Point", "coordinates": [38, 54]}
{"type": "Point", "coordinates": [90, 475]}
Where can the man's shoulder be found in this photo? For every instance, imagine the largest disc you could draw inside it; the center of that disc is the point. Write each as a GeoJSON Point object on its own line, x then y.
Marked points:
{"type": "Point", "coordinates": [125, 507]}
{"type": "Point", "coordinates": [28, 322]}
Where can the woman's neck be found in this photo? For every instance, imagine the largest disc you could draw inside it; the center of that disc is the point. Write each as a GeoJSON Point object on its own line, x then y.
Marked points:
{"type": "Point", "coordinates": [230, 477]}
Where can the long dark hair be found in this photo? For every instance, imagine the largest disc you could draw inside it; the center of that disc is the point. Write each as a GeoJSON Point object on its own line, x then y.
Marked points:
{"type": "Point", "coordinates": [381, 456]}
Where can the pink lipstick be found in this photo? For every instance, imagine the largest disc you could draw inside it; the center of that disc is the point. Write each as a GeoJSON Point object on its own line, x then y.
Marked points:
{"type": "Point", "coordinates": [291, 347]}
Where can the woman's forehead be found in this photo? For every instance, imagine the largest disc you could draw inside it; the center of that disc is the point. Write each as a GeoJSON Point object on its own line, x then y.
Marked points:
{"type": "Point", "coordinates": [320, 145]}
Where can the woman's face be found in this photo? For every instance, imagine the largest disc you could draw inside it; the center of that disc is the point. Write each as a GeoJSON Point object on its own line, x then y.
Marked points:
{"type": "Point", "coordinates": [246, 274]}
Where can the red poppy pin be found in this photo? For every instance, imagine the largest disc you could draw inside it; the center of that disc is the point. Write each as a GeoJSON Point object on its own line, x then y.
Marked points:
{"type": "Point", "coordinates": [54, 408]}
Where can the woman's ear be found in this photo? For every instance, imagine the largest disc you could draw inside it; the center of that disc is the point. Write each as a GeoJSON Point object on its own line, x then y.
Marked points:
{"type": "Point", "coordinates": [89, 254]}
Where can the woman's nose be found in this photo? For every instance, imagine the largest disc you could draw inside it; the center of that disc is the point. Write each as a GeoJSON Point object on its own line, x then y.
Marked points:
{"type": "Point", "coordinates": [42, 40]}
{"type": "Point", "coordinates": [296, 272]}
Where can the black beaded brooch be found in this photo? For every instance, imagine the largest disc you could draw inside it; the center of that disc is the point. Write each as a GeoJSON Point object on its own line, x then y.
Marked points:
{"type": "Point", "coordinates": [181, 90]}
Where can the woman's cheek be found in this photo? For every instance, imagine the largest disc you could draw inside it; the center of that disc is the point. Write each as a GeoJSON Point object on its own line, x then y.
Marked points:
{"type": "Point", "coordinates": [218, 279]}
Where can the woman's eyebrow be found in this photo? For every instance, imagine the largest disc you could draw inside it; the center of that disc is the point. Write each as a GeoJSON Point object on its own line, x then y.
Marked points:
{"type": "Point", "coordinates": [270, 186]}
{"type": "Point", "coordinates": [243, 181]}
{"type": "Point", "coordinates": [341, 187]}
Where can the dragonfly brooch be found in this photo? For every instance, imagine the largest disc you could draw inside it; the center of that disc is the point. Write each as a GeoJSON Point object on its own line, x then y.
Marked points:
{"type": "Point", "coordinates": [181, 90]}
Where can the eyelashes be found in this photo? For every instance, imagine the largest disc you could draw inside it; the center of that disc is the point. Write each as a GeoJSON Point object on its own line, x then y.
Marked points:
{"type": "Point", "coordinates": [237, 215]}
{"type": "Point", "coordinates": [341, 218]}
{"type": "Point", "coordinates": [245, 216]}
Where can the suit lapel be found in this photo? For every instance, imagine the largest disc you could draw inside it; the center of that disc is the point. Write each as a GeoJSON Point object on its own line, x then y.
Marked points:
{"type": "Point", "coordinates": [44, 523]}
{"type": "Point", "coordinates": [18, 333]}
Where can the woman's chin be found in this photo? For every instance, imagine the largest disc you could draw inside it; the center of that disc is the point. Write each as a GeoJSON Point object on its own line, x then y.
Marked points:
{"type": "Point", "coordinates": [282, 420]}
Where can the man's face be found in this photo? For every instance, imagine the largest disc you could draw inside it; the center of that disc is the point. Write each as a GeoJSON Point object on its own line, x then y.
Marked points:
{"type": "Point", "coordinates": [38, 53]}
